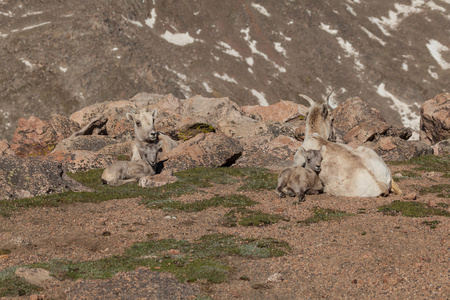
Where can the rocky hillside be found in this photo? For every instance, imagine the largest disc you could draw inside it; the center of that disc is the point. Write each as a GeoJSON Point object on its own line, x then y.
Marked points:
{"type": "Point", "coordinates": [57, 57]}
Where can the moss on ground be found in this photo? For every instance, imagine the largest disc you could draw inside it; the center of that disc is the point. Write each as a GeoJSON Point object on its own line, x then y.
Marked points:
{"type": "Point", "coordinates": [247, 217]}
{"type": "Point", "coordinates": [195, 129]}
{"type": "Point", "coordinates": [189, 181]}
{"type": "Point", "coordinates": [412, 209]}
{"type": "Point", "coordinates": [189, 261]}
{"type": "Point", "coordinates": [225, 201]}
{"type": "Point", "coordinates": [442, 190]}
{"type": "Point", "coordinates": [428, 163]}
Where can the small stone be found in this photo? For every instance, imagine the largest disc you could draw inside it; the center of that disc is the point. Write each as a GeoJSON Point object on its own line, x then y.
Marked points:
{"type": "Point", "coordinates": [38, 297]}
{"type": "Point", "coordinates": [354, 281]}
{"type": "Point", "coordinates": [174, 252]}
{"type": "Point", "coordinates": [398, 175]}
{"type": "Point", "coordinates": [410, 196]}
{"type": "Point", "coordinates": [431, 203]}
{"type": "Point", "coordinates": [275, 278]}
{"type": "Point", "coordinates": [4, 256]}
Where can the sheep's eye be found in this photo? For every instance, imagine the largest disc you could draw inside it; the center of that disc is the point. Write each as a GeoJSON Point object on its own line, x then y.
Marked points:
{"type": "Point", "coordinates": [138, 123]}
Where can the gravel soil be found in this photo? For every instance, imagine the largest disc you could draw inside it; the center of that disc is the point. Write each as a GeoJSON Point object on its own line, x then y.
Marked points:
{"type": "Point", "coordinates": [367, 255]}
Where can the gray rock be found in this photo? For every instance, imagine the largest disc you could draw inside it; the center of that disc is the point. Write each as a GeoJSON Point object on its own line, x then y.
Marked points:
{"type": "Point", "coordinates": [435, 119]}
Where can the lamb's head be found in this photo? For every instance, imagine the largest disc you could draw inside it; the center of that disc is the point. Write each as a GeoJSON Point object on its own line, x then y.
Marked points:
{"type": "Point", "coordinates": [144, 125]}
{"type": "Point", "coordinates": [150, 153]}
{"type": "Point", "coordinates": [313, 159]}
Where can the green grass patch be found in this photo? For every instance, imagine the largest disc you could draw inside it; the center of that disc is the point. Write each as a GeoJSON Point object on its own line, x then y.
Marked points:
{"type": "Point", "coordinates": [13, 286]}
{"type": "Point", "coordinates": [195, 129]}
{"type": "Point", "coordinates": [225, 201]}
{"type": "Point", "coordinates": [428, 163]}
{"type": "Point", "coordinates": [5, 251]}
{"type": "Point", "coordinates": [432, 224]}
{"type": "Point", "coordinates": [443, 190]}
{"type": "Point", "coordinates": [324, 214]}
{"type": "Point", "coordinates": [200, 259]}
{"type": "Point", "coordinates": [412, 209]}
{"type": "Point", "coordinates": [190, 181]}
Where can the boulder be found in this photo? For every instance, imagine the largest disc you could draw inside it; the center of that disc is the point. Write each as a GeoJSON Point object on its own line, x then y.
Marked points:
{"type": "Point", "coordinates": [435, 119]}
{"type": "Point", "coordinates": [223, 114]}
{"type": "Point", "coordinates": [85, 142]}
{"type": "Point", "coordinates": [397, 149]}
{"type": "Point", "coordinates": [282, 111]}
{"type": "Point", "coordinates": [63, 126]}
{"type": "Point", "coordinates": [80, 160]}
{"type": "Point", "coordinates": [87, 114]}
{"type": "Point", "coordinates": [442, 148]}
{"type": "Point", "coordinates": [29, 177]}
{"type": "Point", "coordinates": [204, 150]}
{"type": "Point", "coordinates": [33, 137]}
{"type": "Point", "coordinates": [364, 132]}
{"type": "Point", "coordinates": [268, 152]}
{"type": "Point", "coordinates": [354, 112]}
{"type": "Point", "coordinates": [5, 149]}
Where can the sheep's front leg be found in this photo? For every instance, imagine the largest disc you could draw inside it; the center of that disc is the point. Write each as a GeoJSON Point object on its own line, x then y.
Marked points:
{"type": "Point", "coordinates": [301, 195]}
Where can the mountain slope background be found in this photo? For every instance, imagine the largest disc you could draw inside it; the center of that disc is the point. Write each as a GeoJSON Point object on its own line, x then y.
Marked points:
{"type": "Point", "coordinates": [59, 56]}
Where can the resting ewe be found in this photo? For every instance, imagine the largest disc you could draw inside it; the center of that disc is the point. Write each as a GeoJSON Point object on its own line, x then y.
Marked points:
{"type": "Point", "coordinates": [122, 172]}
{"type": "Point", "coordinates": [298, 181]}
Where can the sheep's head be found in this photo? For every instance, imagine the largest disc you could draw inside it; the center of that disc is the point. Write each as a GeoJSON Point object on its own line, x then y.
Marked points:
{"type": "Point", "coordinates": [150, 153]}
{"type": "Point", "coordinates": [144, 125]}
{"type": "Point", "coordinates": [319, 119]}
{"type": "Point", "coordinates": [313, 159]}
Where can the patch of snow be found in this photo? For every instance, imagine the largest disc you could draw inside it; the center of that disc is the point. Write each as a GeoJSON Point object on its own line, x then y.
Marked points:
{"type": "Point", "coordinates": [252, 45]}
{"type": "Point", "coordinates": [229, 50]}
{"type": "Point", "coordinates": [434, 6]}
{"type": "Point", "coordinates": [261, 97]}
{"type": "Point", "coordinates": [31, 13]}
{"type": "Point", "coordinates": [3, 35]}
{"type": "Point", "coordinates": [118, 57]}
{"type": "Point", "coordinates": [409, 118]}
{"type": "Point", "coordinates": [207, 87]}
{"type": "Point", "coordinates": [63, 69]}
{"type": "Point", "coordinates": [396, 17]}
{"type": "Point", "coordinates": [137, 23]}
{"type": "Point", "coordinates": [351, 52]}
{"type": "Point", "coordinates": [332, 101]}
{"type": "Point", "coordinates": [182, 83]}
{"type": "Point", "coordinates": [179, 39]}
{"type": "Point", "coordinates": [8, 14]}
{"type": "Point", "coordinates": [225, 77]}
{"type": "Point", "coordinates": [405, 66]}
{"type": "Point", "coordinates": [280, 49]}
{"type": "Point", "coordinates": [433, 74]}
{"type": "Point", "coordinates": [249, 61]}
{"type": "Point", "coordinates": [150, 22]}
{"type": "Point", "coordinates": [198, 31]}
{"type": "Point", "coordinates": [250, 70]}
{"type": "Point", "coordinates": [32, 27]}
{"type": "Point", "coordinates": [67, 16]}
{"type": "Point", "coordinates": [196, 13]}
{"type": "Point", "coordinates": [291, 22]}
{"type": "Point", "coordinates": [373, 36]}
{"type": "Point", "coordinates": [261, 9]}
{"type": "Point", "coordinates": [114, 49]}
{"type": "Point", "coordinates": [27, 63]}
{"type": "Point", "coordinates": [350, 9]}
{"type": "Point", "coordinates": [327, 29]}
{"type": "Point", "coordinates": [436, 48]}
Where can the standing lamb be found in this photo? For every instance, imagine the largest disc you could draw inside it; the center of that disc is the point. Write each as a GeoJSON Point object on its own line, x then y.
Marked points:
{"type": "Point", "coordinates": [298, 181]}
{"type": "Point", "coordinates": [122, 172]}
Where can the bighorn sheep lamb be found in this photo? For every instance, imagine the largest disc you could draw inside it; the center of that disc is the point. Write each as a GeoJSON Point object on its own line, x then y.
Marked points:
{"type": "Point", "coordinates": [144, 128]}
{"type": "Point", "coordinates": [350, 172]}
{"type": "Point", "coordinates": [122, 172]}
{"type": "Point", "coordinates": [298, 181]}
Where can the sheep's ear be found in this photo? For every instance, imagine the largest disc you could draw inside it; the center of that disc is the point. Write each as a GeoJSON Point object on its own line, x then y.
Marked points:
{"type": "Point", "coordinates": [160, 144]}
{"type": "Point", "coordinates": [154, 113]}
{"type": "Point", "coordinates": [130, 117]}
{"type": "Point", "coordinates": [302, 151]}
{"type": "Point", "coordinates": [324, 111]}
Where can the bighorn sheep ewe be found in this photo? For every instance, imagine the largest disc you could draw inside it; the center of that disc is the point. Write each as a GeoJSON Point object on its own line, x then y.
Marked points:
{"type": "Point", "coordinates": [144, 128]}
{"type": "Point", "coordinates": [298, 181]}
{"type": "Point", "coordinates": [350, 172]}
{"type": "Point", "coordinates": [319, 120]}
{"type": "Point", "coordinates": [122, 172]}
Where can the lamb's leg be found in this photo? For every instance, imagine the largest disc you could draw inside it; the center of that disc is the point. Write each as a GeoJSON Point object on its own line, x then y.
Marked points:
{"type": "Point", "coordinates": [123, 181]}
{"type": "Point", "coordinates": [312, 192]}
{"type": "Point", "coordinates": [288, 191]}
{"type": "Point", "coordinates": [281, 184]}
{"type": "Point", "coordinates": [301, 195]}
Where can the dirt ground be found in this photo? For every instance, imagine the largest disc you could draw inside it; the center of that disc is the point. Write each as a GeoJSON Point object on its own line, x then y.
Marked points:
{"type": "Point", "coordinates": [368, 255]}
